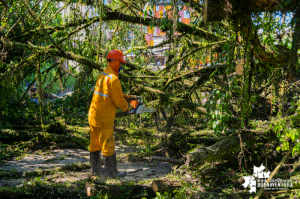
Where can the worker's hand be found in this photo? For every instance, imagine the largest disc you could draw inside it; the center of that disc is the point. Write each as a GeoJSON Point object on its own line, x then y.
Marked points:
{"type": "Point", "coordinates": [132, 97]}
{"type": "Point", "coordinates": [129, 107]}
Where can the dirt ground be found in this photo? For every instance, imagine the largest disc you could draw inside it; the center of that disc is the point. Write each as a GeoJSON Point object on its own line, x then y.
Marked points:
{"type": "Point", "coordinates": [42, 161]}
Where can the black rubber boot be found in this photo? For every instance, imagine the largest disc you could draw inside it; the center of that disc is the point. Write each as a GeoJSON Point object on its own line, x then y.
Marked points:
{"type": "Point", "coordinates": [110, 166]}
{"type": "Point", "coordinates": [95, 160]}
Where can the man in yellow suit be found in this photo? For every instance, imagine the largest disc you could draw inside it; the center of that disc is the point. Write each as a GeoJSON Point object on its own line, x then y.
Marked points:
{"type": "Point", "coordinates": [106, 98]}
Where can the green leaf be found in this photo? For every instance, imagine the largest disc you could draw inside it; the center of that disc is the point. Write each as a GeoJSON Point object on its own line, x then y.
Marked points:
{"type": "Point", "coordinates": [278, 148]}
{"type": "Point", "coordinates": [212, 74]}
{"type": "Point", "coordinates": [145, 8]}
{"type": "Point", "coordinates": [224, 46]}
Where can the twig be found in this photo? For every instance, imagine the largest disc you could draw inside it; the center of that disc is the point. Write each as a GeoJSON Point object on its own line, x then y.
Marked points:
{"type": "Point", "coordinates": [293, 85]}
{"type": "Point", "coordinates": [58, 11]}
{"type": "Point", "coordinates": [190, 53]}
{"type": "Point", "coordinates": [137, 170]}
{"type": "Point", "coordinates": [39, 22]}
{"type": "Point", "coordinates": [44, 194]}
{"type": "Point", "coordinates": [166, 159]}
{"type": "Point", "coordinates": [128, 6]}
{"type": "Point", "coordinates": [284, 191]}
{"type": "Point", "coordinates": [274, 172]}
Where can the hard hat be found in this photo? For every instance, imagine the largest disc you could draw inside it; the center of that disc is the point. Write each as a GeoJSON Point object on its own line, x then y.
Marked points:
{"type": "Point", "coordinates": [116, 55]}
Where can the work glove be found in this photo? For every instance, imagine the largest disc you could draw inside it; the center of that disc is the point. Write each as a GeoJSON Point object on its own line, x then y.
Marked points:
{"type": "Point", "coordinates": [132, 97]}
{"type": "Point", "coordinates": [127, 98]}
{"type": "Point", "coordinates": [129, 107]}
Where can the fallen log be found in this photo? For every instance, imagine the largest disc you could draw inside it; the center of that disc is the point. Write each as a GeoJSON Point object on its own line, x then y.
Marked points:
{"type": "Point", "coordinates": [209, 132]}
{"type": "Point", "coordinates": [214, 152]}
{"type": "Point", "coordinates": [201, 133]}
{"type": "Point", "coordinates": [117, 190]}
{"type": "Point", "coordinates": [68, 190]}
{"type": "Point", "coordinates": [197, 140]}
{"type": "Point", "coordinates": [164, 159]}
{"type": "Point", "coordinates": [222, 148]}
{"type": "Point", "coordinates": [161, 186]}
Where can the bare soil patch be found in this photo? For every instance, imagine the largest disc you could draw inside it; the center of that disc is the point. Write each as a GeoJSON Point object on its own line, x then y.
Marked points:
{"type": "Point", "coordinates": [41, 161]}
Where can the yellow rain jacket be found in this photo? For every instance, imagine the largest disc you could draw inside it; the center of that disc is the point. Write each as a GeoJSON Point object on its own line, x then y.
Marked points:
{"type": "Point", "coordinates": [107, 97]}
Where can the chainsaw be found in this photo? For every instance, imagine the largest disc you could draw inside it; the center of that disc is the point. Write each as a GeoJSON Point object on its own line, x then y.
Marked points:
{"type": "Point", "coordinates": [139, 107]}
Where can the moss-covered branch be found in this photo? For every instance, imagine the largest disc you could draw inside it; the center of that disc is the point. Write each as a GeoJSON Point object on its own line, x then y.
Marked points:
{"type": "Point", "coordinates": [190, 53]}
{"type": "Point", "coordinates": [54, 52]}
{"type": "Point", "coordinates": [163, 23]}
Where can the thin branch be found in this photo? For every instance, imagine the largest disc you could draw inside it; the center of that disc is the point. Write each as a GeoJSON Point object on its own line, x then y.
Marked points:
{"type": "Point", "coordinates": [54, 52]}
{"type": "Point", "coordinates": [111, 16]}
{"type": "Point", "coordinates": [20, 19]}
{"type": "Point", "coordinates": [207, 73]}
{"type": "Point", "coordinates": [274, 172]}
{"type": "Point", "coordinates": [192, 52]}
{"type": "Point", "coordinates": [44, 9]}
{"type": "Point", "coordinates": [76, 30]}
{"type": "Point", "coordinates": [55, 14]}
{"type": "Point", "coordinates": [36, 19]}
{"type": "Point", "coordinates": [128, 6]}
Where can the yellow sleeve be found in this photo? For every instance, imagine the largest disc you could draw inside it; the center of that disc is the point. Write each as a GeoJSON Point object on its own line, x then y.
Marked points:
{"type": "Point", "coordinates": [117, 95]}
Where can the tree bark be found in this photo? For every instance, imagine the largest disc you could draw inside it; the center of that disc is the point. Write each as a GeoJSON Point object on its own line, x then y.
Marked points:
{"type": "Point", "coordinates": [200, 155]}
{"type": "Point", "coordinates": [220, 149]}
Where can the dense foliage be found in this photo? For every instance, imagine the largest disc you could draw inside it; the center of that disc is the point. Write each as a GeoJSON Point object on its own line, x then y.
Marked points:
{"type": "Point", "coordinates": [63, 44]}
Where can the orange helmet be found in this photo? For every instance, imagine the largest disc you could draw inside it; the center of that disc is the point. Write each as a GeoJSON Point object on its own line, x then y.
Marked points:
{"type": "Point", "coordinates": [116, 55]}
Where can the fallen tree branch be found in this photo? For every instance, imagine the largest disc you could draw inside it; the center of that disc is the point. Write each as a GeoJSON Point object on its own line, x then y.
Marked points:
{"type": "Point", "coordinates": [218, 150]}
{"type": "Point", "coordinates": [274, 172]}
{"type": "Point", "coordinates": [48, 187]}
{"type": "Point", "coordinates": [284, 191]}
{"type": "Point", "coordinates": [54, 52]}
{"type": "Point", "coordinates": [137, 170]}
{"type": "Point", "coordinates": [164, 159]}
{"type": "Point", "coordinates": [116, 190]}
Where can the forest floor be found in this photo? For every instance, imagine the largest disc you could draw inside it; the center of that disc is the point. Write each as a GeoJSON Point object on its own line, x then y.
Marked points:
{"type": "Point", "coordinates": [33, 160]}
{"type": "Point", "coordinates": [41, 161]}
{"type": "Point", "coordinates": [51, 165]}
{"type": "Point", "coordinates": [52, 160]}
